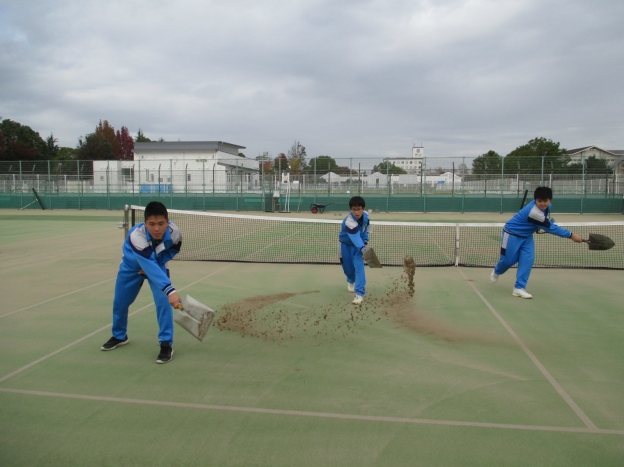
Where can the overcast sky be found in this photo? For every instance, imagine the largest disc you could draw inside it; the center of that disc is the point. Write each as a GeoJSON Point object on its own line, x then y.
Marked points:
{"type": "Point", "coordinates": [346, 78]}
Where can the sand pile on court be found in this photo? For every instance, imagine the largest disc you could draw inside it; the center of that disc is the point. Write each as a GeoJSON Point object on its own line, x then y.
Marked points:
{"type": "Point", "coordinates": [271, 318]}
{"type": "Point", "coordinates": [256, 317]}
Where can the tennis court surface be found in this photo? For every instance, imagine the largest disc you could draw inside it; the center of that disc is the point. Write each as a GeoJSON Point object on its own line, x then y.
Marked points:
{"type": "Point", "coordinates": [292, 374]}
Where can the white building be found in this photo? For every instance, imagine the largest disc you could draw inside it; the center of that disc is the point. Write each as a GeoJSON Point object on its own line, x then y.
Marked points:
{"type": "Point", "coordinates": [579, 154]}
{"type": "Point", "coordinates": [618, 164]}
{"type": "Point", "coordinates": [179, 167]}
{"type": "Point", "coordinates": [412, 165]}
{"type": "Point", "coordinates": [444, 181]}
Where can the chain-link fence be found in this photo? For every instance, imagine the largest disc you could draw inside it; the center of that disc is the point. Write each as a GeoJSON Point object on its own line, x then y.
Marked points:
{"type": "Point", "coordinates": [320, 179]}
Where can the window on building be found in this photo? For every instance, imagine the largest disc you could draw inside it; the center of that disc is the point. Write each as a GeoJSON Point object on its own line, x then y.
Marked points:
{"type": "Point", "coordinates": [127, 174]}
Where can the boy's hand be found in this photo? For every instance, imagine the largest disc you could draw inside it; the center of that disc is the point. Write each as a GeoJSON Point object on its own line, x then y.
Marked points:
{"type": "Point", "coordinates": [174, 300]}
{"type": "Point", "coordinates": [363, 250]}
{"type": "Point", "coordinates": [576, 238]}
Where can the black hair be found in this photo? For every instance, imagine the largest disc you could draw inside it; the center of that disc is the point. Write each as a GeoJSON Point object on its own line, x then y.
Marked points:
{"type": "Point", "coordinates": [357, 201]}
{"type": "Point", "coordinates": [542, 192]}
{"type": "Point", "coordinates": [156, 208]}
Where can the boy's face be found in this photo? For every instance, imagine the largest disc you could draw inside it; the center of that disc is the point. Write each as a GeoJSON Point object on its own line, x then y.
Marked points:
{"type": "Point", "coordinates": [542, 203]}
{"type": "Point", "coordinates": [156, 226]}
{"type": "Point", "coordinates": [357, 211]}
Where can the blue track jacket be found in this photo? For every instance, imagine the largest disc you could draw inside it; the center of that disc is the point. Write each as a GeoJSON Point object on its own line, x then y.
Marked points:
{"type": "Point", "coordinates": [354, 232]}
{"type": "Point", "coordinates": [530, 219]}
{"type": "Point", "coordinates": [141, 251]}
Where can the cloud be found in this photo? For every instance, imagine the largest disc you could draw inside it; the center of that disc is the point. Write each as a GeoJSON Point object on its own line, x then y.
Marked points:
{"type": "Point", "coordinates": [346, 78]}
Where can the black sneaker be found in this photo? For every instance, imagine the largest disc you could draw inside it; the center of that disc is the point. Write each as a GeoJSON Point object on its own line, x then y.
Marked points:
{"type": "Point", "coordinates": [113, 343]}
{"type": "Point", "coordinates": [166, 353]}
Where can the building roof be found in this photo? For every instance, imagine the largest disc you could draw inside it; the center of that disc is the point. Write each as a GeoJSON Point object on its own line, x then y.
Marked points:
{"type": "Point", "coordinates": [187, 146]}
{"type": "Point", "coordinates": [616, 162]}
{"type": "Point", "coordinates": [577, 150]}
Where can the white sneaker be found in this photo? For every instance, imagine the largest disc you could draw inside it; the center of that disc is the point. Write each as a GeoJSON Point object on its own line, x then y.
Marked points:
{"type": "Point", "coordinates": [521, 293]}
{"type": "Point", "coordinates": [358, 300]}
{"type": "Point", "coordinates": [351, 286]}
{"type": "Point", "coordinates": [493, 276]}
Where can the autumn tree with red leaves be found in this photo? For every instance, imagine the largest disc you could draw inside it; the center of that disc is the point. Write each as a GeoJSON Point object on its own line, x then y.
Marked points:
{"type": "Point", "coordinates": [127, 144]}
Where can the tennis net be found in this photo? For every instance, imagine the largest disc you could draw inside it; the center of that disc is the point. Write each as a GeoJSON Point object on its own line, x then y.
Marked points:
{"type": "Point", "coordinates": [259, 239]}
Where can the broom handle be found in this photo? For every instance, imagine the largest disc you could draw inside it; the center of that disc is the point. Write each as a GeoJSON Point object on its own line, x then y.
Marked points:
{"type": "Point", "coordinates": [524, 198]}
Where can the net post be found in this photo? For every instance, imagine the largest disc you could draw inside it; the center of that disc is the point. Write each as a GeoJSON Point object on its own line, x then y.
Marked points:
{"type": "Point", "coordinates": [456, 245]}
{"type": "Point", "coordinates": [126, 220]}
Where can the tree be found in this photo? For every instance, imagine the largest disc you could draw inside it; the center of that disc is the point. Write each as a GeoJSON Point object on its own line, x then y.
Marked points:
{"type": "Point", "coordinates": [267, 167]}
{"type": "Point", "coordinates": [462, 169]}
{"type": "Point", "coordinates": [344, 170]}
{"type": "Point", "coordinates": [593, 165]}
{"type": "Point", "coordinates": [537, 154]}
{"type": "Point", "coordinates": [388, 167]}
{"type": "Point", "coordinates": [126, 143]}
{"type": "Point", "coordinates": [95, 148]}
{"type": "Point", "coordinates": [105, 131]}
{"type": "Point", "coordinates": [141, 138]}
{"type": "Point", "coordinates": [321, 165]}
{"type": "Point", "coordinates": [489, 163]}
{"type": "Point", "coordinates": [51, 146]}
{"type": "Point", "coordinates": [281, 163]}
{"type": "Point", "coordinates": [296, 157]}
{"type": "Point", "coordinates": [66, 154]}
{"type": "Point", "coordinates": [20, 142]}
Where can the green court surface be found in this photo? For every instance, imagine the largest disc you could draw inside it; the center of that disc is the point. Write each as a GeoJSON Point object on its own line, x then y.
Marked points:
{"type": "Point", "coordinates": [291, 374]}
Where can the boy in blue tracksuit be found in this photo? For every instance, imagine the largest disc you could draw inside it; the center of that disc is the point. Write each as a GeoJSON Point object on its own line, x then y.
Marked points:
{"type": "Point", "coordinates": [353, 239]}
{"type": "Point", "coordinates": [147, 249]}
{"type": "Point", "coordinates": [517, 242]}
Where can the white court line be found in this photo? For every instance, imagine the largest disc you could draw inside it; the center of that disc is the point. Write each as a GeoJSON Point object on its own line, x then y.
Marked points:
{"type": "Point", "coordinates": [298, 413]}
{"type": "Point", "coordinates": [533, 358]}
{"type": "Point", "coordinates": [45, 357]}
{"type": "Point", "coordinates": [591, 429]}
{"type": "Point", "coordinates": [55, 298]}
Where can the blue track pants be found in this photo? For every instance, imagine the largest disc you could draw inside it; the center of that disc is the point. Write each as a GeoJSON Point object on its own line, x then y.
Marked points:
{"type": "Point", "coordinates": [514, 250]}
{"type": "Point", "coordinates": [353, 267]}
{"type": "Point", "coordinates": [127, 289]}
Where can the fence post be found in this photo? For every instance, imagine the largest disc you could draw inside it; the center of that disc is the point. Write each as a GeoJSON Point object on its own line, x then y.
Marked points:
{"type": "Point", "coordinates": [264, 206]}
{"type": "Point", "coordinates": [79, 185]}
{"type": "Point", "coordinates": [463, 185]}
{"type": "Point", "coordinates": [584, 183]}
{"type": "Point", "coordinates": [388, 184]}
{"type": "Point", "coordinates": [501, 185]}
{"type": "Point", "coordinates": [359, 178]}
{"type": "Point", "coordinates": [108, 183]}
{"type": "Point", "coordinates": [425, 189]}
{"type": "Point", "coordinates": [21, 186]}
{"type": "Point", "coordinates": [453, 182]}
{"type": "Point", "coordinates": [171, 180]}
{"type": "Point", "coordinates": [350, 175]}
{"type": "Point", "coordinates": [48, 186]}
{"type": "Point", "coordinates": [204, 182]}
{"type": "Point", "coordinates": [139, 182]}
{"type": "Point", "coordinates": [315, 180]}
